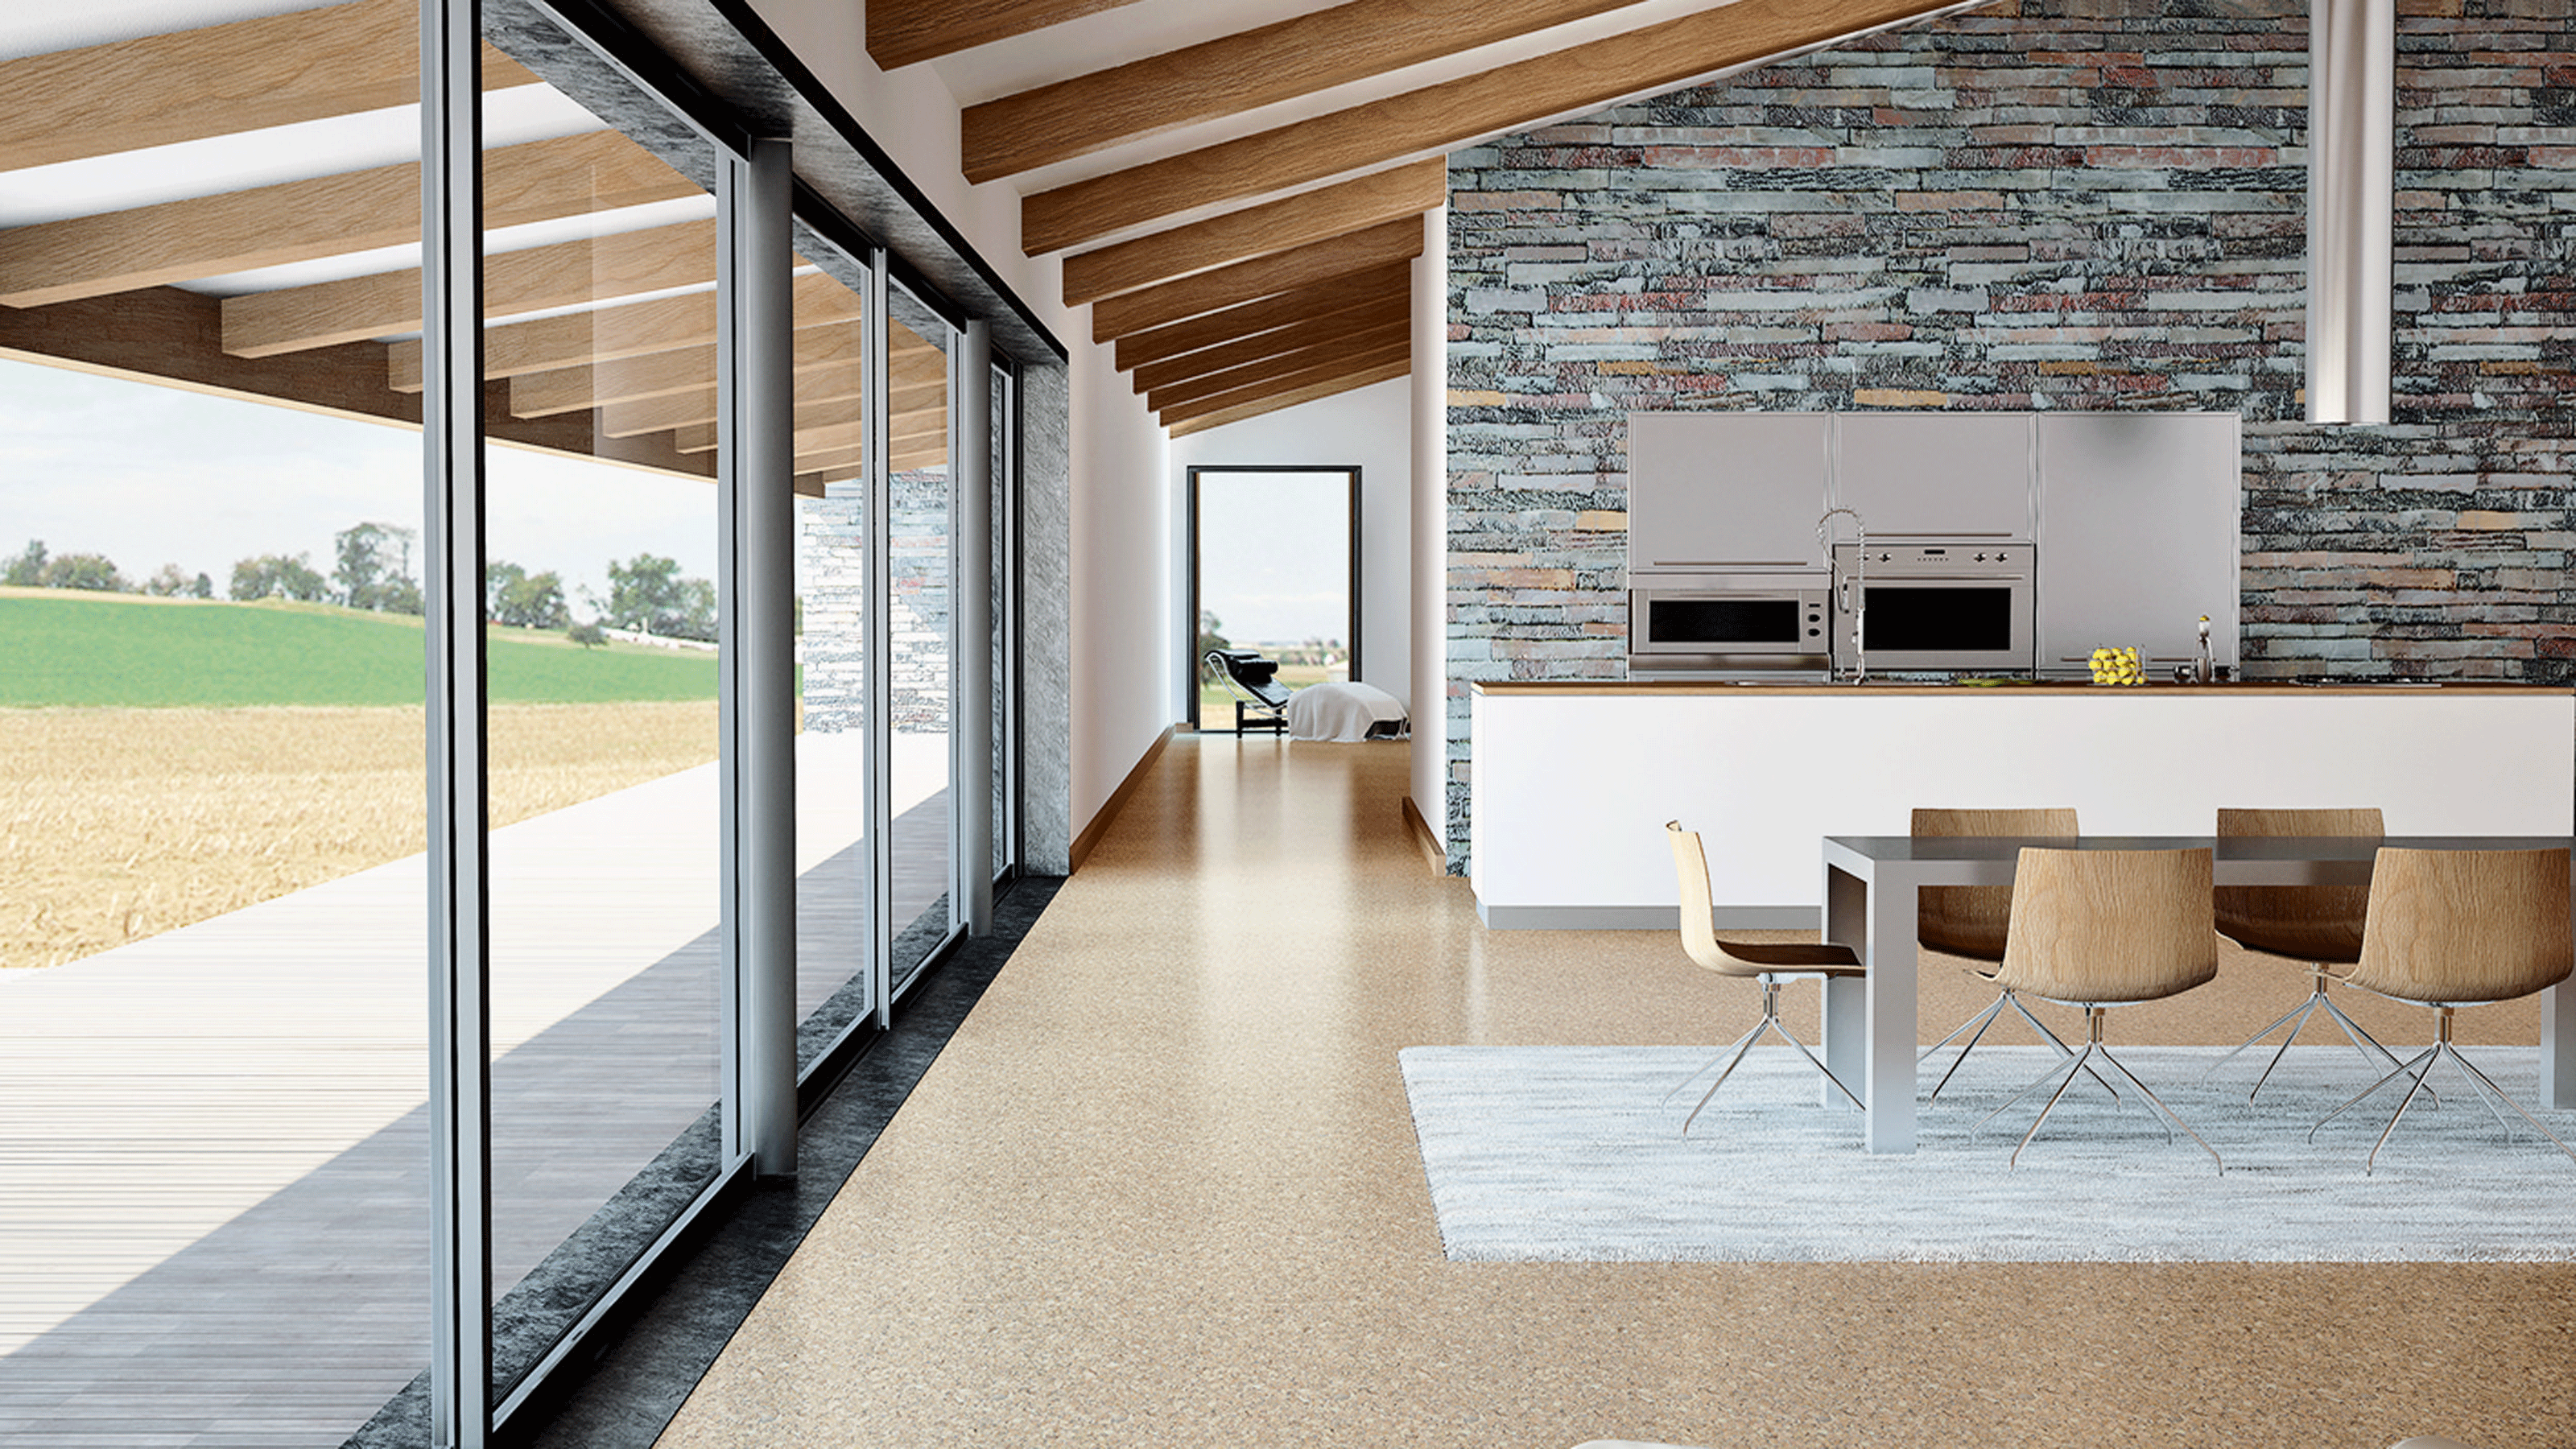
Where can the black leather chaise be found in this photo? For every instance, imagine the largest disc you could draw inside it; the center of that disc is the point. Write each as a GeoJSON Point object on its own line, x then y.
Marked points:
{"type": "Point", "coordinates": [1261, 701]}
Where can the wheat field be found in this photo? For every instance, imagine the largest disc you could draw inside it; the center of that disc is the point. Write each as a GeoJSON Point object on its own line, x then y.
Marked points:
{"type": "Point", "coordinates": [117, 824]}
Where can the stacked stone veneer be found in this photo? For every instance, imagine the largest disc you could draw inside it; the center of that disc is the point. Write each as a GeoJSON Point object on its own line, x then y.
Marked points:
{"type": "Point", "coordinates": [2086, 205]}
{"type": "Point", "coordinates": [832, 573]}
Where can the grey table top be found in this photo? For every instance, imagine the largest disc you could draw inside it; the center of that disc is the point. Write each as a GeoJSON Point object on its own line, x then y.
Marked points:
{"type": "Point", "coordinates": [1906, 848]}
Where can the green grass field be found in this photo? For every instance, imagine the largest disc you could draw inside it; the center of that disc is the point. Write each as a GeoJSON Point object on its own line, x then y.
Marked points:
{"type": "Point", "coordinates": [62, 648]}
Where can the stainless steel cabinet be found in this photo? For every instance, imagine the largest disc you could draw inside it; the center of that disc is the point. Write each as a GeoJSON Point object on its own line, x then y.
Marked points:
{"type": "Point", "coordinates": [2138, 535]}
{"type": "Point", "coordinates": [1725, 489]}
{"type": "Point", "coordinates": [1936, 473]}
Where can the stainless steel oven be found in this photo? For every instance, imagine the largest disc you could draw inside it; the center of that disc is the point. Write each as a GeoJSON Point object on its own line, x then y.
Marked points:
{"type": "Point", "coordinates": [1951, 606]}
{"type": "Point", "coordinates": [1727, 621]}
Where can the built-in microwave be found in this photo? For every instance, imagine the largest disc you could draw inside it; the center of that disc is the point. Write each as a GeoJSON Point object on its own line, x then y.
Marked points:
{"type": "Point", "coordinates": [1949, 605]}
{"type": "Point", "coordinates": [1713, 622]}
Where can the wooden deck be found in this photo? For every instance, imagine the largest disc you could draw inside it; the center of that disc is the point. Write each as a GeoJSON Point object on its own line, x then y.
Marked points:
{"type": "Point", "coordinates": [213, 1143]}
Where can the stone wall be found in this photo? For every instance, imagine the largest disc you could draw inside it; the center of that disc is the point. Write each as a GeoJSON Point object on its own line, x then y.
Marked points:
{"type": "Point", "coordinates": [2080, 204]}
{"type": "Point", "coordinates": [832, 617]}
{"type": "Point", "coordinates": [832, 577]}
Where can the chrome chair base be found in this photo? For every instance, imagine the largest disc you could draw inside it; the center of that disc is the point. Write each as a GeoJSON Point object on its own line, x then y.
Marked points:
{"type": "Point", "coordinates": [1986, 1018]}
{"type": "Point", "coordinates": [2297, 1017]}
{"type": "Point", "coordinates": [2079, 1061]}
{"type": "Point", "coordinates": [2480, 1084]}
{"type": "Point", "coordinates": [1733, 1056]}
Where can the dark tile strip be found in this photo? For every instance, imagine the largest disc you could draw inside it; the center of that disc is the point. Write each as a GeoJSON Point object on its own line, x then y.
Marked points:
{"type": "Point", "coordinates": [647, 1365]}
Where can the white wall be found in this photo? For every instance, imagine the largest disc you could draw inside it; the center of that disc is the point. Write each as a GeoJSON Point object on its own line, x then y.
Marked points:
{"type": "Point", "coordinates": [1122, 522]}
{"type": "Point", "coordinates": [1430, 564]}
{"type": "Point", "coordinates": [1370, 428]}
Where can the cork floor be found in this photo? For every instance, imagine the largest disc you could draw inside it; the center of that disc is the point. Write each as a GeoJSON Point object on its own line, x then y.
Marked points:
{"type": "Point", "coordinates": [1162, 1189]}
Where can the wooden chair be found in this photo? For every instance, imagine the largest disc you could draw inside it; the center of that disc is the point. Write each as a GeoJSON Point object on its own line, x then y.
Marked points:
{"type": "Point", "coordinates": [1971, 921]}
{"type": "Point", "coordinates": [2454, 928]}
{"type": "Point", "coordinates": [1771, 963]}
{"type": "Point", "coordinates": [2103, 928]}
{"type": "Point", "coordinates": [2317, 926]}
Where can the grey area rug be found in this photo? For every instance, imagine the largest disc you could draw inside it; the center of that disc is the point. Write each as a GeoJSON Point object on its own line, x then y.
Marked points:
{"type": "Point", "coordinates": [1569, 1154]}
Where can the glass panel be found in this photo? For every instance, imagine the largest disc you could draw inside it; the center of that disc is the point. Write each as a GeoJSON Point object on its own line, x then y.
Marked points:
{"type": "Point", "coordinates": [922, 629]}
{"type": "Point", "coordinates": [601, 554]}
{"type": "Point", "coordinates": [212, 896]}
{"type": "Point", "coordinates": [834, 604]}
{"type": "Point", "coordinates": [1005, 597]}
{"type": "Point", "coordinates": [1945, 618]}
{"type": "Point", "coordinates": [1724, 621]}
{"type": "Point", "coordinates": [1274, 575]}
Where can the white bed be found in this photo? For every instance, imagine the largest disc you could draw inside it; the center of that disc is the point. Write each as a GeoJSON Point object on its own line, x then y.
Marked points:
{"type": "Point", "coordinates": [1345, 712]}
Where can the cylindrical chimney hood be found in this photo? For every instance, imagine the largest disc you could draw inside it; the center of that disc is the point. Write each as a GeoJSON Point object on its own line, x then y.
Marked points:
{"type": "Point", "coordinates": [2352, 181]}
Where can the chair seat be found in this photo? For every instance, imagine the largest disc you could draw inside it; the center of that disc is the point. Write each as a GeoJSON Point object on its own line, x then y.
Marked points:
{"type": "Point", "coordinates": [2331, 942]}
{"type": "Point", "coordinates": [1829, 959]}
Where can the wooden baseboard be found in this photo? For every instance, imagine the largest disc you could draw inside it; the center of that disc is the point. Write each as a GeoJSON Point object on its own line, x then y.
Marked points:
{"type": "Point", "coordinates": [1424, 837]}
{"type": "Point", "coordinates": [1117, 801]}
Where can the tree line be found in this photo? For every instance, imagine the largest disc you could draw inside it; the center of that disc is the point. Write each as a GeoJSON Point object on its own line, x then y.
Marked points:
{"type": "Point", "coordinates": [372, 570]}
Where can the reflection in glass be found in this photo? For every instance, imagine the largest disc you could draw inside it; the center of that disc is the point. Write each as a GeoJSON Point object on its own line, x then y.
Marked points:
{"type": "Point", "coordinates": [834, 604]}
{"type": "Point", "coordinates": [1005, 604]}
{"type": "Point", "coordinates": [918, 603]}
{"type": "Point", "coordinates": [601, 554]}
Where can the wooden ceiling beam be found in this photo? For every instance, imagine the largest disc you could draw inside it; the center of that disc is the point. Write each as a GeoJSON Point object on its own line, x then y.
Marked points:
{"type": "Point", "coordinates": [1450, 114]}
{"type": "Point", "coordinates": [632, 329]}
{"type": "Point", "coordinates": [907, 32]}
{"type": "Point", "coordinates": [850, 462]}
{"type": "Point", "coordinates": [1309, 216]}
{"type": "Point", "coordinates": [1235, 73]}
{"type": "Point", "coordinates": [218, 80]}
{"type": "Point", "coordinates": [263, 324]}
{"type": "Point", "coordinates": [1288, 398]}
{"type": "Point", "coordinates": [1316, 262]}
{"type": "Point", "coordinates": [920, 399]}
{"type": "Point", "coordinates": [680, 410]}
{"type": "Point", "coordinates": [1376, 342]}
{"type": "Point", "coordinates": [659, 374]}
{"type": "Point", "coordinates": [171, 337]}
{"type": "Point", "coordinates": [1398, 355]}
{"type": "Point", "coordinates": [302, 221]}
{"type": "Point", "coordinates": [1393, 314]}
{"type": "Point", "coordinates": [1208, 329]}
{"type": "Point", "coordinates": [836, 426]}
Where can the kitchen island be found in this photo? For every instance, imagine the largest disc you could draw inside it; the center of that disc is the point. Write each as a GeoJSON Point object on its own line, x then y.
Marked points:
{"type": "Point", "coordinates": [1572, 782]}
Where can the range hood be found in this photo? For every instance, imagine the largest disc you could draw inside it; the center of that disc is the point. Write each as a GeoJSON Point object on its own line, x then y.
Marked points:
{"type": "Point", "coordinates": [2352, 177]}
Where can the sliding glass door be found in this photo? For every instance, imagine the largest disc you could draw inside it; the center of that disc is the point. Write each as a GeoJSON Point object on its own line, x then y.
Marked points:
{"type": "Point", "coordinates": [601, 324]}
{"type": "Point", "coordinates": [287, 410]}
{"type": "Point", "coordinates": [921, 637]}
{"type": "Point", "coordinates": [214, 1198]}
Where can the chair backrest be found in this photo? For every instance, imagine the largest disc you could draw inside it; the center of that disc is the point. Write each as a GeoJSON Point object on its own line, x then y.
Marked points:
{"type": "Point", "coordinates": [2312, 923]}
{"type": "Point", "coordinates": [2110, 925]}
{"type": "Point", "coordinates": [1251, 675]}
{"type": "Point", "coordinates": [1970, 920]}
{"type": "Point", "coordinates": [2466, 925]}
{"type": "Point", "coordinates": [1699, 925]}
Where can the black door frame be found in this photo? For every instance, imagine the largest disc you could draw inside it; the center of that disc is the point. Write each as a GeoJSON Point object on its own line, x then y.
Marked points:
{"type": "Point", "coordinates": [1190, 651]}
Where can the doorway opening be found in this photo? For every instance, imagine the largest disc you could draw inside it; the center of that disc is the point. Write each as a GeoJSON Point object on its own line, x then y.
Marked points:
{"type": "Point", "coordinates": [1274, 568]}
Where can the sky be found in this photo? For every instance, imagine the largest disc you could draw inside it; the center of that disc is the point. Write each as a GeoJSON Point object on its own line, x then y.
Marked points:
{"type": "Point", "coordinates": [148, 475]}
{"type": "Point", "coordinates": [1275, 555]}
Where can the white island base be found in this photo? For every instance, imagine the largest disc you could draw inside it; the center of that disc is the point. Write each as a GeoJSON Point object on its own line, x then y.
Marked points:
{"type": "Point", "coordinates": [1572, 783]}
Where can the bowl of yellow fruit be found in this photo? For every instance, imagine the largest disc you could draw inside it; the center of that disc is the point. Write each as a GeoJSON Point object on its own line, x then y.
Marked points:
{"type": "Point", "coordinates": [2118, 666]}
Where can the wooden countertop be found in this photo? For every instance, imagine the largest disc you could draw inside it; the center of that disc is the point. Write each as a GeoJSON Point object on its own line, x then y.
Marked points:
{"type": "Point", "coordinates": [2025, 688]}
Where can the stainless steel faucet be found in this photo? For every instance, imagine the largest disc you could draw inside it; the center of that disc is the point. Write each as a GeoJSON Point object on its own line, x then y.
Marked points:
{"type": "Point", "coordinates": [1859, 595]}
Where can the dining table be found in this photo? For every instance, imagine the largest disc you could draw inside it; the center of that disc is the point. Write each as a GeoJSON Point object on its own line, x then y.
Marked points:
{"type": "Point", "coordinates": [1870, 1028]}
